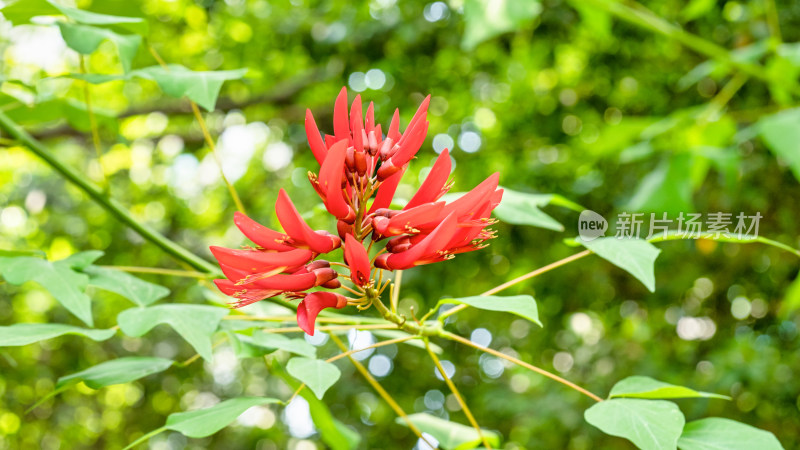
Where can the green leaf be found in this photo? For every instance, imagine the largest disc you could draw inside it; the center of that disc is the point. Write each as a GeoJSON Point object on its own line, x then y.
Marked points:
{"type": "Point", "coordinates": [178, 81]}
{"type": "Point", "coordinates": [791, 299]}
{"type": "Point", "coordinates": [668, 188]}
{"type": "Point", "coordinates": [82, 260]}
{"type": "Point", "coordinates": [85, 39]}
{"type": "Point", "coordinates": [697, 8]}
{"type": "Point", "coordinates": [22, 11]}
{"type": "Point", "coordinates": [451, 435]}
{"type": "Point", "coordinates": [521, 305]}
{"type": "Point", "coordinates": [646, 387]}
{"type": "Point", "coordinates": [195, 323]}
{"type": "Point", "coordinates": [519, 208]}
{"type": "Point", "coordinates": [649, 424]}
{"type": "Point", "coordinates": [134, 24]}
{"type": "Point", "coordinates": [28, 333]}
{"type": "Point", "coordinates": [318, 375]}
{"type": "Point", "coordinates": [485, 19]}
{"type": "Point", "coordinates": [58, 109]}
{"type": "Point", "coordinates": [781, 133]}
{"type": "Point", "coordinates": [58, 278]}
{"type": "Point", "coordinates": [117, 371]}
{"type": "Point", "coordinates": [333, 432]}
{"type": "Point", "coordinates": [275, 341]}
{"type": "Point", "coordinates": [205, 422]}
{"type": "Point", "coordinates": [716, 433]}
{"type": "Point", "coordinates": [134, 289]}
{"type": "Point", "coordinates": [635, 256]}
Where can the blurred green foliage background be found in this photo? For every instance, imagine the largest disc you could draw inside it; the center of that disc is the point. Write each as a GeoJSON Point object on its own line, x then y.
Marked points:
{"type": "Point", "coordinates": [559, 97]}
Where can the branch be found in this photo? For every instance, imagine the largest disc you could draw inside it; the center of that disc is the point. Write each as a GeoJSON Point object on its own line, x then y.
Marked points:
{"type": "Point", "coordinates": [552, 376]}
{"type": "Point", "coordinates": [106, 202]}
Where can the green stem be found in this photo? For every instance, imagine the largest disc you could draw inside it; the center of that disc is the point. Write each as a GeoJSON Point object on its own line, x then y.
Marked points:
{"type": "Point", "coordinates": [107, 203]}
{"type": "Point", "coordinates": [145, 437]}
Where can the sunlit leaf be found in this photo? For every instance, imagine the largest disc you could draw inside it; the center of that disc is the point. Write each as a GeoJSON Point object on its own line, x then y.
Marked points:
{"type": "Point", "coordinates": [58, 278]}
{"type": "Point", "coordinates": [486, 19]}
{"type": "Point", "coordinates": [205, 422]}
{"type": "Point", "coordinates": [117, 371]}
{"type": "Point", "coordinates": [649, 424]}
{"type": "Point", "coordinates": [646, 387]}
{"type": "Point", "coordinates": [276, 341]}
{"type": "Point", "coordinates": [134, 289]}
{"type": "Point", "coordinates": [318, 375]}
{"type": "Point", "coordinates": [333, 432]}
{"type": "Point", "coordinates": [82, 260]}
{"type": "Point", "coordinates": [668, 188]}
{"type": "Point", "coordinates": [86, 39]}
{"type": "Point", "coordinates": [178, 81]}
{"type": "Point", "coordinates": [28, 333]}
{"type": "Point", "coordinates": [451, 435]}
{"type": "Point", "coordinates": [781, 133]}
{"type": "Point", "coordinates": [635, 256]}
{"type": "Point", "coordinates": [521, 305]}
{"type": "Point", "coordinates": [195, 323]}
{"type": "Point", "coordinates": [715, 433]}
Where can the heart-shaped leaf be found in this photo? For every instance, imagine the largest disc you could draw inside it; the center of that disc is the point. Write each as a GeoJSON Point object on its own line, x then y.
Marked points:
{"type": "Point", "coordinates": [635, 256]}
{"type": "Point", "coordinates": [134, 289]}
{"type": "Point", "coordinates": [318, 375]}
{"type": "Point", "coordinates": [521, 305]}
{"type": "Point", "coordinates": [646, 387]}
{"type": "Point", "coordinates": [28, 333]}
{"type": "Point", "coordinates": [195, 323]}
{"type": "Point", "coordinates": [450, 435]}
{"type": "Point", "coordinates": [65, 284]}
{"type": "Point", "coordinates": [85, 39]}
{"type": "Point", "coordinates": [649, 424]}
{"type": "Point", "coordinates": [177, 81]}
{"type": "Point", "coordinates": [117, 371]}
{"type": "Point", "coordinates": [715, 433]}
{"type": "Point", "coordinates": [205, 422]}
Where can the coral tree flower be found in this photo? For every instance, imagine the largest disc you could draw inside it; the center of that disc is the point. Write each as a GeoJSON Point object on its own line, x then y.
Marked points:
{"type": "Point", "coordinates": [360, 169]}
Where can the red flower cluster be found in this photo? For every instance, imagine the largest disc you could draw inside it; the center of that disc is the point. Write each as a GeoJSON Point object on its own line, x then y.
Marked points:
{"type": "Point", "coordinates": [360, 169]}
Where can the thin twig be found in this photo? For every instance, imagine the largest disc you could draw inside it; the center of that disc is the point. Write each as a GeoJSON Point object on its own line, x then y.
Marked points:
{"type": "Point", "coordinates": [206, 135]}
{"type": "Point", "coordinates": [552, 376]}
{"type": "Point", "coordinates": [519, 279]}
{"type": "Point", "coordinates": [159, 271]}
{"type": "Point", "coordinates": [458, 395]}
{"type": "Point", "coordinates": [395, 292]}
{"type": "Point", "coordinates": [376, 326]}
{"type": "Point", "coordinates": [87, 97]}
{"type": "Point", "coordinates": [381, 391]}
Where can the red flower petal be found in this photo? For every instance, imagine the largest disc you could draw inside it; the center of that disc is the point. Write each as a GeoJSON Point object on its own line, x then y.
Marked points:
{"type": "Point", "coordinates": [244, 297]}
{"type": "Point", "coordinates": [341, 129]}
{"type": "Point", "coordinates": [357, 124]}
{"type": "Point", "coordinates": [261, 235]}
{"type": "Point", "coordinates": [288, 283]}
{"type": "Point", "coordinates": [315, 138]}
{"type": "Point", "coordinates": [312, 304]}
{"type": "Point", "coordinates": [434, 185]}
{"type": "Point", "coordinates": [258, 261]}
{"type": "Point", "coordinates": [370, 120]}
{"type": "Point", "coordinates": [383, 199]}
{"type": "Point", "coordinates": [298, 229]}
{"type": "Point", "coordinates": [473, 199]}
{"type": "Point", "coordinates": [430, 246]}
{"type": "Point", "coordinates": [394, 127]}
{"type": "Point", "coordinates": [330, 181]}
{"type": "Point", "coordinates": [357, 258]}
